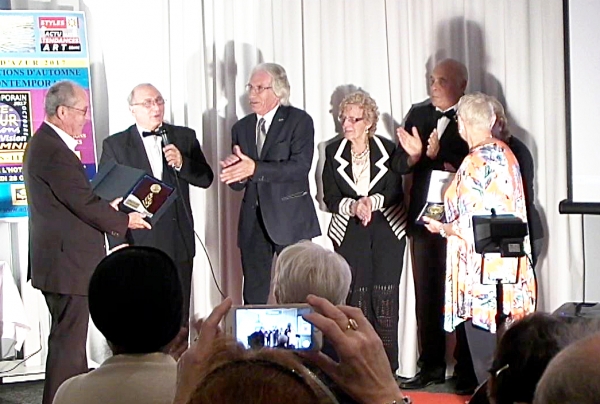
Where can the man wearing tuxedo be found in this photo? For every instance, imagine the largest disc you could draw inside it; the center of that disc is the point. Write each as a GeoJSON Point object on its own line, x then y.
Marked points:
{"type": "Point", "coordinates": [430, 141]}
{"type": "Point", "coordinates": [179, 164]}
{"type": "Point", "coordinates": [67, 222]}
{"type": "Point", "coordinates": [272, 154]}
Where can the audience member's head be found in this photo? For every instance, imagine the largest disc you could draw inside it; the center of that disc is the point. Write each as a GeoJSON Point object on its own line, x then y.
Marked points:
{"type": "Point", "coordinates": [573, 376]}
{"type": "Point", "coordinates": [235, 375]}
{"type": "Point", "coordinates": [522, 356]}
{"type": "Point", "coordinates": [135, 300]}
{"type": "Point", "coordinates": [307, 268]}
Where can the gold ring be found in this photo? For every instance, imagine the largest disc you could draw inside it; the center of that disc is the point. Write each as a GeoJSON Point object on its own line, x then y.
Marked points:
{"type": "Point", "coordinates": [352, 324]}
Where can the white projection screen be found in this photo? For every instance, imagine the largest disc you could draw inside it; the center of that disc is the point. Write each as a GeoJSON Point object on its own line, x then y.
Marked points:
{"type": "Point", "coordinates": [582, 72]}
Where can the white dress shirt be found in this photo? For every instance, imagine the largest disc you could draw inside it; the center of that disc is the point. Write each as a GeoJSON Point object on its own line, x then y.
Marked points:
{"type": "Point", "coordinates": [153, 147]}
{"type": "Point", "coordinates": [443, 122]}
{"type": "Point", "coordinates": [268, 117]}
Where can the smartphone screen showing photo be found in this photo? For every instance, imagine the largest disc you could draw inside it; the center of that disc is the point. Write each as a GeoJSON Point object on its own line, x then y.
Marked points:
{"type": "Point", "coordinates": [281, 327]}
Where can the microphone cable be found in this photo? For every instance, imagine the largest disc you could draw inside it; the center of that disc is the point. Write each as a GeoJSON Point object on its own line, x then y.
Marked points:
{"type": "Point", "coordinates": [22, 361]}
{"type": "Point", "coordinates": [163, 133]}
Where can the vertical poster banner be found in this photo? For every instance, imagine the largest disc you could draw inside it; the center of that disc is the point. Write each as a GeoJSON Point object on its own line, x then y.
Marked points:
{"type": "Point", "coordinates": [37, 49]}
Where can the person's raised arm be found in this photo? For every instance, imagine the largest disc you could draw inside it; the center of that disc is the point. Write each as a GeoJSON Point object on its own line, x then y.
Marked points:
{"type": "Point", "coordinates": [363, 370]}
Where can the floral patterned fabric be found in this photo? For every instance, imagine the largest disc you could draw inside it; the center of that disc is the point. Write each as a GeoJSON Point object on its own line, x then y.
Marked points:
{"type": "Point", "coordinates": [489, 177]}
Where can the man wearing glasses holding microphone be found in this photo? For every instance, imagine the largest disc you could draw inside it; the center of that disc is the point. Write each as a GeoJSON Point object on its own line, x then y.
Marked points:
{"type": "Point", "coordinates": [272, 154]}
{"type": "Point", "coordinates": [173, 155]}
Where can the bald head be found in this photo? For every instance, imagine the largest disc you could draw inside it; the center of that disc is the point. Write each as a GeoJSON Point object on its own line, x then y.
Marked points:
{"type": "Point", "coordinates": [448, 82]}
{"type": "Point", "coordinates": [573, 376]}
{"type": "Point", "coordinates": [147, 106]}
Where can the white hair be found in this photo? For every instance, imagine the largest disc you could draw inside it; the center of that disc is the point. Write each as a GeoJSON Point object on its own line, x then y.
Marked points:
{"type": "Point", "coordinates": [307, 268]}
{"type": "Point", "coordinates": [280, 83]}
{"type": "Point", "coordinates": [477, 110]}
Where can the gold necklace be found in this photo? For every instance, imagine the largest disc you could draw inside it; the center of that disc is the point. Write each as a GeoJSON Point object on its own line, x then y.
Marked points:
{"type": "Point", "coordinates": [359, 157]}
{"type": "Point", "coordinates": [360, 166]}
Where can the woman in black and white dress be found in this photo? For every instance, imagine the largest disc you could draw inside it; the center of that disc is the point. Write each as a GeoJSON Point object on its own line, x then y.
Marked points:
{"type": "Point", "coordinates": [369, 219]}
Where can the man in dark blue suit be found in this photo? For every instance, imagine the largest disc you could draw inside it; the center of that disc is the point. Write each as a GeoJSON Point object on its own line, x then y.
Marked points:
{"type": "Point", "coordinates": [272, 153]}
{"type": "Point", "coordinates": [178, 164]}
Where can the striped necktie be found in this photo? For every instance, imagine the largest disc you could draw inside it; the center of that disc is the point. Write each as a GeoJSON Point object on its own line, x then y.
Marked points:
{"type": "Point", "coordinates": [261, 135]}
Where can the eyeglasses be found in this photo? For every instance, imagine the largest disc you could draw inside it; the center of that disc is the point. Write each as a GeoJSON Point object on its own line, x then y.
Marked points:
{"type": "Point", "coordinates": [350, 119]}
{"type": "Point", "coordinates": [149, 103]}
{"type": "Point", "coordinates": [82, 110]}
{"type": "Point", "coordinates": [257, 90]}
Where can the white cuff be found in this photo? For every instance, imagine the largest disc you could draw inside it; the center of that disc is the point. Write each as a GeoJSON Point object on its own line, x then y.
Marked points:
{"type": "Point", "coordinates": [376, 202]}
{"type": "Point", "coordinates": [344, 207]}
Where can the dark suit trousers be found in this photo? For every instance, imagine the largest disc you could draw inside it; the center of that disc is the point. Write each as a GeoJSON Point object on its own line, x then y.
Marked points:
{"type": "Point", "coordinates": [185, 269]}
{"type": "Point", "coordinates": [66, 342]}
{"type": "Point", "coordinates": [429, 271]}
{"type": "Point", "coordinates": [257, 258]}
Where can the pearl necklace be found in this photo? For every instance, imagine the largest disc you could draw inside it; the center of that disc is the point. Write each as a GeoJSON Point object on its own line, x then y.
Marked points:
{"type": "Point", "coordinates": [359, 157]}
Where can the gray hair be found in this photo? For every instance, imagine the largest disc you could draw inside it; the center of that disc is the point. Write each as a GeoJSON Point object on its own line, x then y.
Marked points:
{"type": "Point", "coordinates": [131, 95]}
{"type": "Point", "coordinates": [476, 110]}
{"type": "Point", "coordinates": [61, 93]}
{"type": "Point", "coordinates": [307, 268]}
{"type": "Point", "coordinates": [573, 376]}
{"type": "Point", "coordinates": [280, 83]}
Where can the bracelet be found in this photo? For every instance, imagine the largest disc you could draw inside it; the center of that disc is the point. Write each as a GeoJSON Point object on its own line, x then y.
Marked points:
{"type": "Point", "coordinates": [443, 232]}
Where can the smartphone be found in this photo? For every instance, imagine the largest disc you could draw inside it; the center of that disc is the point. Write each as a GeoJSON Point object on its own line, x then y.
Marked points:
{"type": "Point", "coordinates": [273, 326]}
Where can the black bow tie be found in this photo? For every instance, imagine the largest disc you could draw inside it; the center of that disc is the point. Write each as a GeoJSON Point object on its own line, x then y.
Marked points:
{"type": "Point", "coordinates": [450, 114]}
{"type": "Point", "coordinates": [153, 133]}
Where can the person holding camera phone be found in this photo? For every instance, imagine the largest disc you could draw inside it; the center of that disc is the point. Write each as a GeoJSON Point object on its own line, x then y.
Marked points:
{"type": "Point", "coordinates": [362, 369]}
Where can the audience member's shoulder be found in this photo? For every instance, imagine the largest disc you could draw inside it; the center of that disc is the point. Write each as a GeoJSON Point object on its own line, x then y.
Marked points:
{"type": "Point", "coordinates": [67, 391]}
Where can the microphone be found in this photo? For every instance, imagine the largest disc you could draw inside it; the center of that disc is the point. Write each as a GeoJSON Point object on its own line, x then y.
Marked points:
{"type": "Point", "coordinates": [162, 132]}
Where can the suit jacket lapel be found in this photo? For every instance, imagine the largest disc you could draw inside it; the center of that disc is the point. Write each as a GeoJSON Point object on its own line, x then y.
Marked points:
{"type": "Point", "coordinates": [378, 157]}
{"type": "Point", "coordinates": [137, 150]}
{"type": "Point", "coordinates": [344, 157]}
{"type": "Point", "coordinates": [248, 140]}
{"type": "Point", "coordinates": [275, 129]}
